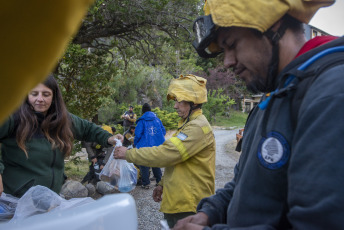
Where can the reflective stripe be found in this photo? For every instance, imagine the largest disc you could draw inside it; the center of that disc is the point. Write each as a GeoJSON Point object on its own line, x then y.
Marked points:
{"type": "Point", "coordinates": [206, 129]}
{"type": "Point", "coordinates": [180, 146]}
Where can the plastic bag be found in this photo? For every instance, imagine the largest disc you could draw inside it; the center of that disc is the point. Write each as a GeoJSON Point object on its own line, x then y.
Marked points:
{"type": "Point", "coordinates": [164, 225]}
{"type": "Point", "coordinates": [119, 173]}
{"type": "Point", "coordinates": [8, 204]}
{"type": "Point", "coordinates": [39, 199]}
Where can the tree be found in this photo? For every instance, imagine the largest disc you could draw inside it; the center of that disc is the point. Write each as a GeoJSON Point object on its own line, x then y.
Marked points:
{"type": "Point", "coordinates": [218, 103]}
{"type": "Point", "coordinates": [131, 44]}
{"type": "Point", "coordinates": [132, 25]}
{"type": "Point", "coordinates": [83, 77]}
{"type": "Point", "coordinates": [224, 78]}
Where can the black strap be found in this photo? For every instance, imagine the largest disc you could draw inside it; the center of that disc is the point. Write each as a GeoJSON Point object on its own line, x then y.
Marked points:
{"type": "Point", "coordinates": [306, 79]}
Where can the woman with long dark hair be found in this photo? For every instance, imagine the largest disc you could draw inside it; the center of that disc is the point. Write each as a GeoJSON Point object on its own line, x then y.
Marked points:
{"type": "Point", "coordinates": [36, 139]}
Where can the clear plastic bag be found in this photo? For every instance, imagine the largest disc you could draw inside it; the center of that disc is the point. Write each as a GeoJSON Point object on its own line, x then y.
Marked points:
{"type": "Point", "coordinates": [120, 174]}
{"type": "Point", "coordinates": [8, 204]}
{"type": "Point", "coordinates": [39, 199]}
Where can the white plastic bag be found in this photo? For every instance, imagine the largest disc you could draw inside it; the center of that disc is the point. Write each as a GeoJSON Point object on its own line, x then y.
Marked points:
{"type": "Point", "coordinates": [120, 174]}
{"type": "Point", "coordinates": [39, 199]}
{"type": "Point", "coordinates": [8, 204]}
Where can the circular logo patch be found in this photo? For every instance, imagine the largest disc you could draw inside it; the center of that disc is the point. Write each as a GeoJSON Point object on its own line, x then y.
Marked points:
{"type": "Point", "coordinates": [273, 151]}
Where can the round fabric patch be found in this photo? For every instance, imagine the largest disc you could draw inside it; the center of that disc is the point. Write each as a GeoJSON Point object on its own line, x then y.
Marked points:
{"type": "Point", "coordinates": [273, 151]}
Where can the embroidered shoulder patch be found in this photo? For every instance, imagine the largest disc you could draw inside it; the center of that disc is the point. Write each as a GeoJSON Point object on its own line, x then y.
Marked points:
{"type": "Point", "coordinates": [273, 151]}
{"type": "Point", "coordinates": [182, 136]}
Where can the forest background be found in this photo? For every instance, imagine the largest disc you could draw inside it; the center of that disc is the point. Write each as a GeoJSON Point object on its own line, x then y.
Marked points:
{"type": "Point", "coordinates": [127, 51]}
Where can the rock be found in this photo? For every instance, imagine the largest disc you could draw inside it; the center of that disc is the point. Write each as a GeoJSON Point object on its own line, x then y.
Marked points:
{"type": "Point", "coordinates": [91, 189]}
{"type": "Point", "coordinates": [73, 189]}
{"type": "Point", "coordinates": [104, 188]}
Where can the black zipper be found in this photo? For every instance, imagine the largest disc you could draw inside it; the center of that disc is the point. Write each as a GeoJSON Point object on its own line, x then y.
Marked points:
{"type": "Point", "coordinates": [52, 169]}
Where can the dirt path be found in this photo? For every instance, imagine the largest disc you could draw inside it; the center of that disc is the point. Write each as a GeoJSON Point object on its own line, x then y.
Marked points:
{"type": "Point", "coordinates": [226, 156]}
{"type": "Point", "coordinates": [148, 211]}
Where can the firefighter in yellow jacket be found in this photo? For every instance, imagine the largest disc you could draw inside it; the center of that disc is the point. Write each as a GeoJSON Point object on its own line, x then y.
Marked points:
{"type": "Point", "coordinates": [188, 156]}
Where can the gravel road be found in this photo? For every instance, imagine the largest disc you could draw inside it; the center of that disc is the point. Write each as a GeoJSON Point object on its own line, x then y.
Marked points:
{"type": "Point", "coordinates": [148, 211]}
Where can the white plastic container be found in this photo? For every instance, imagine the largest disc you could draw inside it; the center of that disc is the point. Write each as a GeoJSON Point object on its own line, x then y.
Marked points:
{"type": "Point", "coordinates": [115, 211]}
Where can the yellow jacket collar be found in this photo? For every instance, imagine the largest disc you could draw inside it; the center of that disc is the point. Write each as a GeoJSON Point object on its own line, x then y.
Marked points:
{"type": "Point", "coordinates": [192, 117]}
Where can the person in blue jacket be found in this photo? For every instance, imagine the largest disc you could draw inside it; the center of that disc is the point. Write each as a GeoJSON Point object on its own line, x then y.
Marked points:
{"type": "Point", "coordinates": [149, 132]}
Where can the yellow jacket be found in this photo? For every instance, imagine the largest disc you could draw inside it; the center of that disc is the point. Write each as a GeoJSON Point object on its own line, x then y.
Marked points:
{"type": "Point", "coordinates": [189, 161]}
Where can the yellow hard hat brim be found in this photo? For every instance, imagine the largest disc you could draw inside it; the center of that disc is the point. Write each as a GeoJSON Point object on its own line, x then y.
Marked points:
{"type": "Point", "coordinates": [261, 14]}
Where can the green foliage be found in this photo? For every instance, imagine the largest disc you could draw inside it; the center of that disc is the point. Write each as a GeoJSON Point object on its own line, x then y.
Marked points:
{"type": "Point", "coordinates": [218, 103]}
{"type": "Point", "coordinates": [138, 28]}
{"type": "Point", "coordinates": [76, 147]}
{"type": "Point", "coordinates": [237, 119]}
{"type": "Point", "coordinates": [110, 113]}
{"type": "Point", "coordinates": [83, 77]}
{"type": "Point", "coordinates": [119, 129]}
{"type": "Point", "coordinates": [76, 160]}
{"type": "Point", "coordinates": [76, 171]}
{"type": "Point", "coordinates": [168, 119]}
{"type": "Point", "coordinates": [139, 82]}
{"type": "Point", "coordinates": [133, 49]}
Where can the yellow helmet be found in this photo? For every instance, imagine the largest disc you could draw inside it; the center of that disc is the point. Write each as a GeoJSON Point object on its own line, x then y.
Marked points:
{"type": "Point", "coordinates": [254, 14]}
{"type": "Point", "coordinates": [188, 88]}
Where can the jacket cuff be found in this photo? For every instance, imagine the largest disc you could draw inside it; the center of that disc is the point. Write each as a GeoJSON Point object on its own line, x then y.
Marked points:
{"type": "Point", "coordinates": [209, 211]}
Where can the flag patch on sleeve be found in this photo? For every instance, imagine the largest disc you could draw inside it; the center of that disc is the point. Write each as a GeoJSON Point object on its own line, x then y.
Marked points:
{"type": "Point", "coordinates": [182, 136]}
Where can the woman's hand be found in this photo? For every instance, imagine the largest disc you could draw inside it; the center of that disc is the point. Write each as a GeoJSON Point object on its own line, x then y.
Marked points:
{"type": "Point", "coordinates": [113, 139]}
{"type": "Point", "coordinates": [119, 137]}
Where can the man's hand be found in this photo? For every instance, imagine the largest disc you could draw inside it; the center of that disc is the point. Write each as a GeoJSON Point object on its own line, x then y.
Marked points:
{"type": "Point", "coordinates": [120, 152]}
{"type": "Point", "coordinates": [197, 221]}
{"type": "Point", "coordinates": [1, 185]}
{"type": "Point", "coordinates": [157, 193]}
{"type": "Point", "coordinates": [188, 226]}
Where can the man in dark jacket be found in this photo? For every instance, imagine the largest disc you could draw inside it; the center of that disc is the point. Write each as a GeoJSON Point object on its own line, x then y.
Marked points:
{"type": "Point", "coordinates": [129, 118]}
{"type": "Point", "coordinates": [149, 132]}
{"type": "Point", "coordinates": [290, 173]}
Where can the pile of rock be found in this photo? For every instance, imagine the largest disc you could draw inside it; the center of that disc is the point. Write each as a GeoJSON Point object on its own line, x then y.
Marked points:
{"type": "Point", "coordinates": [74, 189]}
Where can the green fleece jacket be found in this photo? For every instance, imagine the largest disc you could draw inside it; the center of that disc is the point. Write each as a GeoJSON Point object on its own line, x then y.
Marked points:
{"type": "Point", "coordinates": [44, 166]}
